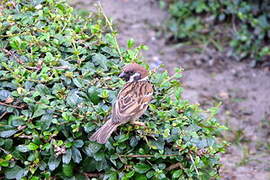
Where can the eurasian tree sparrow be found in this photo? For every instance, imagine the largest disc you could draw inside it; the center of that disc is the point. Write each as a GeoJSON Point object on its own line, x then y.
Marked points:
{"type": "Point", "coordinates": [131, 103]}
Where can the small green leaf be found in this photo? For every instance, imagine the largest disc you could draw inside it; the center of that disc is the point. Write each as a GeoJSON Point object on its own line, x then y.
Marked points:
{"type": "Point", "coordinates": [92, 148]}
{"type": "Point", "coordinates": [94, 95]}
{"type": "Point", "coordinates": [104, 94]}
{"type": "Point", "coordinates": [8, 157]}
{"type": "Point", "coordinates": [39, 112]}
{"type": "Point", "coordinates": [32, 146]}
{"type": "Point", "coordinates": [7, 133]}
{"type": "Point", "coordinates": [35, 178]}
{"type": "Point", "coordinates": [131, 43]}
{"type": "Point", "coordinates": [150, 174]}
{"type": "Point", "coordinates": [4, 94]}
{"type": "Point", "coordinates": [53, 163]}
{"type": "Point", "coordinates": [89, 127]}
{"type": "Point", "coordinates": [140, 177]}
{"type": "Point", "coordinates": [111, 176]}
{"type": "Point", "coordinates": [99, 156]}
{"type": "Point", "coordinates": [177, 173]}
{"type": "Point", "coordinates": [130, 174]}
{"type": "Point", "coordinates": [162, 166]}
{"type": "Point", "coordinates": [133, 142]}
{"type": "Point", "coordinates": [67, 156]}
{"type": "Point", "coordinates": [78, 143]}
{"type": "Point", "coordinates": [78, 82]}
{"type": "Point", "coordinates": [76, 155]}
{"type": "Point", "coordinates": [49, 57]}
{"type": "Point", "coordinates": [16, 173]}
{"type": "Point", "coordinates": [73, 99]}
{"type": "Point", "coordinates": [68, 116]}
{"type": "Point", "coordinates": [42, 89]}
{"type": "Point", "coordinates": [158, 144]}
{"type": "Point", "coordinates": [67, 170]}
{"type": "Point", "coordinates": [101, 60]}
{"type": "Point", "coordinates": [142, 168]}
{"type": "Point", "coordinates": [4, 163]}
{"type": "Point", "coordinates": [122, 138]}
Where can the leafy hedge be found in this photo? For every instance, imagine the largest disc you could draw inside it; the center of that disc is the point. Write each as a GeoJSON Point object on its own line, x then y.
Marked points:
{"type": "Point", "coordinates": [58, 79]}
{"type": "Point", "coordinates": [245, 25]}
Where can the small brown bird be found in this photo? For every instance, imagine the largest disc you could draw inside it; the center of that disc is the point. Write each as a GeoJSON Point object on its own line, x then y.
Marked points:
{"type": "Point", "coordinates": [131, 103]}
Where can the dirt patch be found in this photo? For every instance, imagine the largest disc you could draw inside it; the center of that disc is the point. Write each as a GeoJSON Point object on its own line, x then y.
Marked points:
{"type": "Point", "coordinates": [209, 77]}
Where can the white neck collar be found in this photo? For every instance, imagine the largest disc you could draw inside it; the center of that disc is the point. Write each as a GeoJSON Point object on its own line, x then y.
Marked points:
{"type": "Point", "coordinates": [143, 79]}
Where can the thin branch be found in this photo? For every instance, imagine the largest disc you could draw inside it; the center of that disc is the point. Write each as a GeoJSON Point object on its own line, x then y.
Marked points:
{"type": "Point", "coordinates": [174, 166]}
{"type": "Point", "coordinates": [32, 68]}
{"type": "Point", "coordinates": [22, 127]}
{"type": "Point", "coordinates": [10, 53]}
{"type": "Point", "coordinates": [147, 155]}
{"type": "Point", "coordinates": [62, 68]}
{"type": "Point", "coordinates": [25, 136]}
{"type": "Point", "coordinates": [3, 115]}
{"type": "Point", "coordinates": [92, 174]}
{"type": "Point", "coordinates": [17, 107]}
{"type": "Point", "coordinates": [233, 24]}
{"type": "Point", "coordinates": [111, 29]}
{"type": "Point", "coordinates": [194, 164]}
{"type": "Point", "coordinates": [37, 68]}
{"type": "Point", "coordinates": [6, 152]}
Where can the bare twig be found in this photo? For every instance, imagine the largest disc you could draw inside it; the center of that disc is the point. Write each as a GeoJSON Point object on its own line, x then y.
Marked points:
{"type": "Point", "coordinates": [146, 155]}
{"type": "Point", "coordinates": [10, 53]}
{"type": "Point", "coordinates": [62, 68]}
{"type": "Point", "coordinates": [174, 166]}
{"type": "Point", "coordinates": [37, 68]}
{"type": "Point", "coordinates": [92, 174]}
{"type": "Point", "coordinates": [32, 68]}
{"type": "Point", "coordinates": [233, 24]}
{"type": "Point", "coordinates": [9, 105]}
{"type": "Point", "coordinates": [3, 115]}
{"type": "Point", "coordinates": [25, 136]}
{"type": "Point", "coordinates": [6, 152]}
{"type": "Point", "coordinates": [22, 127]}
{"type": "Point", "coordinates": [111, 29]}
{"type": "Point", "coordinates": [194, 164]}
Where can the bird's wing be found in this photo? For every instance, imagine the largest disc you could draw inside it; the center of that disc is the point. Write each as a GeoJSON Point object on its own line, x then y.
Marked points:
{"type": "Point", "coordinates": [132, 101]}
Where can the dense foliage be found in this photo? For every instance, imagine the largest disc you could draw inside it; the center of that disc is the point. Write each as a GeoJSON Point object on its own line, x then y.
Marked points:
{"type": "Point", "coordinates": [244, 25]}
{"type": "Point", "coordinates": [58, 79]}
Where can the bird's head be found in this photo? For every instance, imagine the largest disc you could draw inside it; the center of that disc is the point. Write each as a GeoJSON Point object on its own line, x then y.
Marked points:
{"type": "Point", "coordinates": [134, 72]}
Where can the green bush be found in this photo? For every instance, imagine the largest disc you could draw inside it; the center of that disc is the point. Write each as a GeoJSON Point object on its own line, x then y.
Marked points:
{"type": "Point", "coordinates": [244, 25]}
{"type": "Point", "coordinates": [58, 79]}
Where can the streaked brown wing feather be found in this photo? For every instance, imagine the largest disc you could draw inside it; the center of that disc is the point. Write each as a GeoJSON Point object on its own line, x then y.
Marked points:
{"type": "Point", "coordinates": [132, 101]}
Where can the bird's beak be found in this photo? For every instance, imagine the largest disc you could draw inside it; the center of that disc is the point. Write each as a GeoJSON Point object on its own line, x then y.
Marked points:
{"type": "Point", "coordinates": [122, 75]}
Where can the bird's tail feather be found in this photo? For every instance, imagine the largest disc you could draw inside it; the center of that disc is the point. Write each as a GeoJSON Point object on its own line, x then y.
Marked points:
{"type": "Point", "coordinates": [104, 133]}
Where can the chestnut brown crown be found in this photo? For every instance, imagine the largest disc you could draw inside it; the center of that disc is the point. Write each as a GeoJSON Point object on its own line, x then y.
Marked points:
{"type": "Point", "coordinates": [133, 72]}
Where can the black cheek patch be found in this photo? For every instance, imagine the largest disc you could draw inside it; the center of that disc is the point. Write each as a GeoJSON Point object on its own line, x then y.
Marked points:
{"type": "Point", "coordinates": [136, 78]}
{"type": "Point", "coordinates": [126, 77]}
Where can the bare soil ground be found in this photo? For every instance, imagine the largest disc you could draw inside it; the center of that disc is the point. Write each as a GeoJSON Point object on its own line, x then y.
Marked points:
{"type": "Point", "coordinates": [209, 77]}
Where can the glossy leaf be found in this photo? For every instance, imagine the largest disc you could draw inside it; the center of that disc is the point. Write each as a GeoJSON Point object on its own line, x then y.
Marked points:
{"type": "Point", "coordinates": [67, 156]}
{"type": "Point", "coordinates": [142, 168]}
{"type": "Point", "coordinates": [76, 155]}
{"type": "Point", "coordinates": [7, 133]}
{"type": "Point", "coordinates": [53, 163]}
{"type": "Point", "coordinates": [15, 173]}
